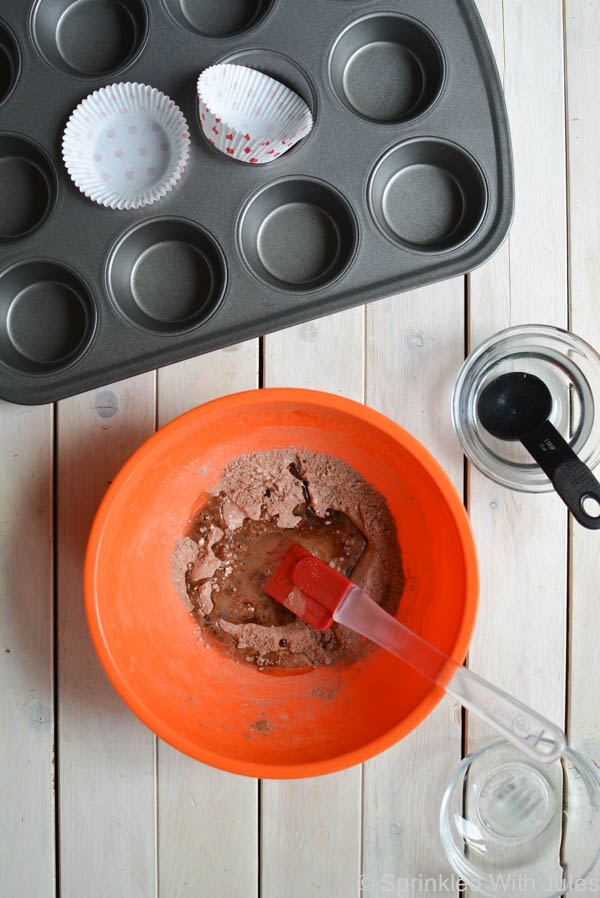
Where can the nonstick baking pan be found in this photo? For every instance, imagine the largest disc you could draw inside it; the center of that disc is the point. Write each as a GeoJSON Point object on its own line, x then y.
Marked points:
{"type": "Point", "coordinates": [405, 179]}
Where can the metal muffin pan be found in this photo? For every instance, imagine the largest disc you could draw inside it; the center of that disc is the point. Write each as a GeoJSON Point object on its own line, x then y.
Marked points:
{"type": "Point", "coordinates": [406, 178]}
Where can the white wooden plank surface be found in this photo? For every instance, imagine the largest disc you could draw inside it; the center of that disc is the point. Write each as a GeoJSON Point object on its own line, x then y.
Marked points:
{"type": "Point", "coordinates": [310, 828]}
{"type": "Point", "coordinates": [207, 819]}
{"type": "Point", "coordinates": [26, 652]}
{"type": "Point", "coordinates": [583, 82]}
{"type": "Point", "coordinates": [326, 354]}
{"type": "Point", "coordinates": [414, 348]}
{"type": "Point", "coordinates": [105, 755]}
{"type": "Point", "coordinates": [519, 641]}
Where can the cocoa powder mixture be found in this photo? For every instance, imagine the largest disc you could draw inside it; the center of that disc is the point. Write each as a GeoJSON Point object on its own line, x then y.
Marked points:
{"type": "Point", "coordinates": [318, 501]}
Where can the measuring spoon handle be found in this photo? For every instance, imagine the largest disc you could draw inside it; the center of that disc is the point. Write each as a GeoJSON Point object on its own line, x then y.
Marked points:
{"type": "Point", "coordinates": [571, 478]}
{"type": "Point", "coordinates": [574, 483]}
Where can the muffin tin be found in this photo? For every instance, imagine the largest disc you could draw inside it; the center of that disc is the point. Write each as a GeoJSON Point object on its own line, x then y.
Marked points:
{"type": "Point", "coordinates": [406, 178]}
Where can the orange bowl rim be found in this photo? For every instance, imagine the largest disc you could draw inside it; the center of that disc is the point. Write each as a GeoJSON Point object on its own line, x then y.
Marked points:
{"type": "Point", "coordinates": [340, 761]}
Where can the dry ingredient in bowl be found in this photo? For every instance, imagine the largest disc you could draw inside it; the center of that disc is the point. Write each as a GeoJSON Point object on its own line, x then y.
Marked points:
{"type": "Point", "coordinates": [317, 500]}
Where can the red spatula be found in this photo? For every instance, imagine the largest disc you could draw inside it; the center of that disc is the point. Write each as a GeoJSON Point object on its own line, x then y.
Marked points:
{"type": "Point", "coordinates": [320, 595]}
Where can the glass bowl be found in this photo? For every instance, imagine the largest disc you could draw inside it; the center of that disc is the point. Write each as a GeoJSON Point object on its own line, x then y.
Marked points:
{"type": "Point", "coordinates": [511, 826]}
{"type": "Point", "coordinates": [569, 367]}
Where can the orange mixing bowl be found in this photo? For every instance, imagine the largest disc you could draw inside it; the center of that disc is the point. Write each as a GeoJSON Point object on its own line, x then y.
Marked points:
{"type": "Point", "coordinates": [231, 715]}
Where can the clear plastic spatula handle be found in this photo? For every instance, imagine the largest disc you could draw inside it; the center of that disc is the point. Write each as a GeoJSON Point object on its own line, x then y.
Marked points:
{"type": "Point", "coordinates": [537, 736]}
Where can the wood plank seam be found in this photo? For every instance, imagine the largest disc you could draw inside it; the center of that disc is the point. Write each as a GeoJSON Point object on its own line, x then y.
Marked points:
{"type": "Point", "coordinates": [55, 639]}
{"type": "Point", "coordinates": [568, 585]}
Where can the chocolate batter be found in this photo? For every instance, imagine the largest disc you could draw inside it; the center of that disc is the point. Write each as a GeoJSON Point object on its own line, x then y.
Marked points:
{"type": "Point", "coordinates": [318, 501]}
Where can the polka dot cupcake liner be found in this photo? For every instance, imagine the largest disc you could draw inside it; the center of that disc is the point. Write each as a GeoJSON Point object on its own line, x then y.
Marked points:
{"type": "Point", "coordinates": [126, 145]}
{"type": "Point", "coordinates": [250, 116]}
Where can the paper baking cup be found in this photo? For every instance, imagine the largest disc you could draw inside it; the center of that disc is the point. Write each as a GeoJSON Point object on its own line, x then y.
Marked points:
{"type": "Point", "coordinates": [126, 145]}
{"type": "Point", "coordinates": [248, 115]}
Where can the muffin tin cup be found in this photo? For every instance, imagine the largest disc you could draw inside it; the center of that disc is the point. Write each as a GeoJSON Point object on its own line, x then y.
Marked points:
{"type": "Point", "coordinates": [387, 68]}
{"type": "Point", "coordinates": [297, 234]}
{"type": "Point", "coordinates": [89, 38]}
{"type": "Point", "coordinates": [285, 70]}
{"type": "Point", "coordinates": [248, 115]}
{"type": "Point", "coordinates": [28, 186]}
{"type": "Point", "coordinates": [236, 250]}
{"type": "Point", "coordinates": [10, 62]}
{"type": "Point", "coordinates": [47, 316]}
{"type": "Point", "coordinates": [166, 276]}
{"type": "Point", "coordinates": [217, 19]}
{"type": "Point", "coordinates": [427, 195]}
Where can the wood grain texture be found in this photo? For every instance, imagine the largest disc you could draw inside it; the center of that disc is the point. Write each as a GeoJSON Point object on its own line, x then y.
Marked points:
{"type": "Point", "coordinates": [520, 638]}
{"type": "Point", "coordinates": [310, 829]}
{"type": "Point", "coordinates": [207, 819]}
{"type": "Point", "coordinates": [310, 836]}
{"type": "Point", "coordinates": [105, 755]}
{"type": "Point", "coordinates": [187, 384]}
{"type": "Point", "coordinates": [326, 354]}
{"type": "Point", "coordinates": [583, 79]}
{"type": "Point", "coordinates": [26, 652]}
{"type": "Point", "coordinates": [414, 348]}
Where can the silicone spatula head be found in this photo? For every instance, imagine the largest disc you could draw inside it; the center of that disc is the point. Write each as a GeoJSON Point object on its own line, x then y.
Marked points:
{"type": "Point", "coordinates": [305, 585]}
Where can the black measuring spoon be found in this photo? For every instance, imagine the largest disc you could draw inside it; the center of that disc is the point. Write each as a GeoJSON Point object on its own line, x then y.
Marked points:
{"type": "Point", "coordinates": [516, 406]}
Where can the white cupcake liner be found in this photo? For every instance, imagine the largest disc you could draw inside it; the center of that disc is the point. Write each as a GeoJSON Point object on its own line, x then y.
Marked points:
{"type": "Point", "coordinates": [248, 115]}
{"type": "Point", "coordinates": [126, 145]}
